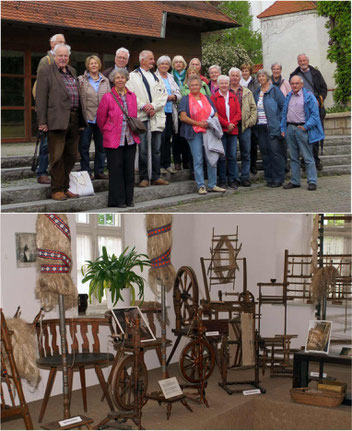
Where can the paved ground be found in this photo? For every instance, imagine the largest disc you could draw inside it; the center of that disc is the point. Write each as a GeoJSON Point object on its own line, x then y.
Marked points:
{"type": "Point", "coordinates": [333, 195]}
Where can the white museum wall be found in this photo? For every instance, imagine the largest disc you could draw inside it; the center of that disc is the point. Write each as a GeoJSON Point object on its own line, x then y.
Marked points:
{"type": "Point", "coordinates": [286, 36]}
{"type": "Point", "coordinates": [264, 239]}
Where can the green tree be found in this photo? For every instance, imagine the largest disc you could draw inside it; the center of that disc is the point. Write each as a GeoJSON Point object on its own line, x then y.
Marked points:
{"type": "Point", "coordinates": [339, 51]}
{"type": "Point", "coordinates": [234, 46]}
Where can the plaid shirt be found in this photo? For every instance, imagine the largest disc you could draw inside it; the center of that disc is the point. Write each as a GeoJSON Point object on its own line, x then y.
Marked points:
{"type": "Point", "coordinates": [125, 131]}
{"type": "Point", "coordinates": [71, 87]}
{"type": "Point", "coordinates": [239, 95]}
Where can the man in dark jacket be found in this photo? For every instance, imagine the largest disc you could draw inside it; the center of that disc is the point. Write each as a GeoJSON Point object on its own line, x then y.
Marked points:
{"type": "Point", "coordinates": [121, 60]}
{"type": "Point", "coordinates": [314, 82]}
{"type": "Point", "coordinates": [59, 112]}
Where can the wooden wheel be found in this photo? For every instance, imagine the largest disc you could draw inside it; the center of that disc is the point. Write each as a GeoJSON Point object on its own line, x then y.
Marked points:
{"type": "Point", "coordinates": [185, 295]}
{"type": "Point", "coordinates": [197, 360]}
{"type": "Point", "coordinates": [246, 301]}
{"type": "Point", "coordinates": [123, 385]}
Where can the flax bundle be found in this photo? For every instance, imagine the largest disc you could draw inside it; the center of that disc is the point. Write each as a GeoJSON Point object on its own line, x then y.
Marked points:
{"type": "Point", "coordinates": [323, 282]}
{"type": "Point", "coordinates": [24, 344]}
{"type": "Point", "coordinates": [157, 245]}
{"type": "Point", "coordinates": [50, 285]}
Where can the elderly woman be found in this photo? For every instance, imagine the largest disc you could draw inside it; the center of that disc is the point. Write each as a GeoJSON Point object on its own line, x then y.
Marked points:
{"type": "Point", "coordinates": [270, 101]}
{"type": "Point", "coordinates": [195, 62]}
{"type": "Point", "coordinates": [118, 139]}
{"type": "Point", "coordinates": [195, 111]}
{"type": "Point", "coordinates": [93, 85]}
{"type": "Point", "coordinates": [278, 80]}
{"type": "Point", "coordinates": [192, 72]}
{"type": "Point", "coordinates": [229, 114]}
{"type": "Point", "coordinates": [250, 82]}
{"type": "Point", "coordinates": [179, 69]}
{"type": "Point", "coordinates": [214, 73]}
{"type": "Point", "coordinates": [171, 125]}
{"type": "Point", "coordinates": [248, 120]}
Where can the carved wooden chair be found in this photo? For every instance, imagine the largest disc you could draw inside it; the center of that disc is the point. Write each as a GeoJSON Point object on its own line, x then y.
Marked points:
{"type": "Point", "coordinates": [11, 381]}
{"type": "Point", "coordinates": [80, 357]}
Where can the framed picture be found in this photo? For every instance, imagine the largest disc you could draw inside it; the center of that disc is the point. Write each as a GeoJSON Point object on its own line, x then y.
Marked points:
{"type": "Point", "coordinates": [125, 316]}
{"type": "Point", "coordinates": [318, 339]}
{"type": "Point", "coordinates": [26, 249]}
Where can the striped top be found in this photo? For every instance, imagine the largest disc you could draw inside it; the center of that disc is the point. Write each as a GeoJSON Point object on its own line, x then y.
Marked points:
{"type": "Point", "coordinates": [260, 108]}
{"type": "Point", "coordinates": [125, 131]}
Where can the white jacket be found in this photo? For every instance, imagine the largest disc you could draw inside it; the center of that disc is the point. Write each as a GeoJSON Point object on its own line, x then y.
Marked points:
{"type": "Point", "coordinates": [175, 91]}
{"type": "Point", "coordinates": [159, 98]}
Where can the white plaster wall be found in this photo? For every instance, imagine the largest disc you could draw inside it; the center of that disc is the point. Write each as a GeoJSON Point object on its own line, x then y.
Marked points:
{"type": "Point", "coordinates": [286, 36]}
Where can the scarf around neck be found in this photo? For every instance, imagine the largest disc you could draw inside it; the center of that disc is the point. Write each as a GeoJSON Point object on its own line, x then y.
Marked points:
{"type": "Point", "coordinates": [198, 112]}
{"type": "Point", "coordinates": [245, 83]}
{"type": "Point", "coordinates": [179, 77]}
{"type": "Point", "coordinates": [278, 82]}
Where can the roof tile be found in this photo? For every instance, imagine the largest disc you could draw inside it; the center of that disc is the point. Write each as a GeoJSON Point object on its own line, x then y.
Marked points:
{"type": "Point", "coordinates": [286, 7]}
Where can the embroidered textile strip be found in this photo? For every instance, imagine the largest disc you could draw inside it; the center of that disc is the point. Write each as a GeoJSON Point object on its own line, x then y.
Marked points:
{"type": "Point", "coordinates": [60, 224]}
{"type": "Point", "coordinates": [52, 254]}
{"type": "Point", "coordinates": [162, 260]}
{"type": "Point", "coordinates": [159, 230]}
{"type": "Point", "coordinates": [54, 269]}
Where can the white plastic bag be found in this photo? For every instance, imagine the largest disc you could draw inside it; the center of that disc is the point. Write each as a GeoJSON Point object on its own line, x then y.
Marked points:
{"type": "Point", "coordinates": [81, 184]}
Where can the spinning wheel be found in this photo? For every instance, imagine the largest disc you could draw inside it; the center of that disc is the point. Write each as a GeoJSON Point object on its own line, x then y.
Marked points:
{"type": "Point", "coordinates": [197, 361]}
{"type": "Point", "coordinates": [123, 383]}
{"type": "Point", "coordinates": [247, 301]}
{"type": "Point", "coordinates": [185, 295]}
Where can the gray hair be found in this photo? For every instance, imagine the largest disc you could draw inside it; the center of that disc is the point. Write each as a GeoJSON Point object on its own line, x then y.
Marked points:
{"type": "Point", "coordinates": [214, 66]}
{"type": "Point", "coordinates": [119, 71]}
{"type": "Point", "coordinates": [235, 70]}
{"type": "Point", "coordinates": [179, 58]}
{"type": "Point", "coordinates": [263, 72]}
{"type": "Point", "coordinates": [276, 64]}
{"type": "Point", "coordinates": [53, 38]}
{"type": "Point", "coordinates": [194, 78]}
{"type": "Point", "coordinates": [143, 54]}
{"type": "Point", "coordinates": [122, 50]}
{"type": "Point", "coordinates": [223, 77]}
{"type": "Point", "coordinates": [163, 59]}
{"type": "Point", "coordinates": [60, 45]}
{"type": "Point", "coordinates": [195, 58]}
{"type": "Point", "coordinates": [299, 55]}
{"type": "Point", "coordinates": [297, 76]}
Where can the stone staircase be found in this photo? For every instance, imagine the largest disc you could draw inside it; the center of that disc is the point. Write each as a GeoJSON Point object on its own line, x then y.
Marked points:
{"type": "Point", "coordinates": [21, 192]}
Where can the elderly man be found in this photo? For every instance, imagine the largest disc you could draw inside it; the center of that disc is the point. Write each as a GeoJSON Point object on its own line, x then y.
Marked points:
{"type": "Point", "coordinates": [301, 126]}
{"type": "Point", "coordinates": [122, 56]}
{"type": "Point", "coordinates": [59, 112]}
{"type": "Point", "coordinates": [42, 174]}
{"type": "Point", "coordinates": [313, 81]}
{"type": "Point", "coordinates": [151, 100]}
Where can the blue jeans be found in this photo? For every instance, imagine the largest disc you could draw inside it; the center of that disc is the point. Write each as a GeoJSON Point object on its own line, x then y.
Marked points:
{"type": "Point", "coordinates": [245, 148]}
{"type": "Point", "coordinates": [230, 146]}
{"type": "Point", "coordinates": [272, 150]}
{"type": "Point", "coordinates": [43, 160]}
{"type": "Point", "coordinates": [84, 144]}
{"type": "Point", "coordinates": [196, 145]}
{"type": "Point", "coordinates": [143, 155]}
{"type": "Point", "coordinates": [297, 141]}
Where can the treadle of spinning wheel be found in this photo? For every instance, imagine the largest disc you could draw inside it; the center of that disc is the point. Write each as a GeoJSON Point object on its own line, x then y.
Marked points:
{"type": "Point", "coordinates": [159, 396]}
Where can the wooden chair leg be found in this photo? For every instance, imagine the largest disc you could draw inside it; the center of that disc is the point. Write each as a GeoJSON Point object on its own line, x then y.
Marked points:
{"type": "Point", "coordinates": [48, 389]}
{"type": "Point", "coordinates": [82, 376]}
{"type": "Point", "coordinates": [104, 386]}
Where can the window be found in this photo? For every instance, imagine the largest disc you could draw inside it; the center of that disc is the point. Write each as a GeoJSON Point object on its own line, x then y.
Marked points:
{"type": "Point", "coordinates": [93, 232]}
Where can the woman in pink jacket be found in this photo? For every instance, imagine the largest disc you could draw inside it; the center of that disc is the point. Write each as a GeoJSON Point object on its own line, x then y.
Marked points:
{"type": "Point", "coordinates": [118, 140]}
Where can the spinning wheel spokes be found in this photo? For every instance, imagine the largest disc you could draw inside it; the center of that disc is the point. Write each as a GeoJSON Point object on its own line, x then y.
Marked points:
{"type": "Point", "coordinates": [197, 359]}
{"type": "Point", "coordinates": [186, 290]}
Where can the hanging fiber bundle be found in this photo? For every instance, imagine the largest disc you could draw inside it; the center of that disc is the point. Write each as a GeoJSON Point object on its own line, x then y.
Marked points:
{"type": "Point", "coordinates": [323, 282]}
{"type": "Point", "coordinates": [54, 262]}
{"type": "Point", "coordinates": [24, 347]}
{"type": "Point", "coordinates": [159, 251]}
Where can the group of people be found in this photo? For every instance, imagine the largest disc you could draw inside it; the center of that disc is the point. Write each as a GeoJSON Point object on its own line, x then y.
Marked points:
{"type": "Point", "coordinates": [188, 119]}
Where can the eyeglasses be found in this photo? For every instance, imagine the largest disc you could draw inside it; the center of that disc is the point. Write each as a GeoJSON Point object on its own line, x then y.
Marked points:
{"type": "Point", "coordinates": [122, 58]}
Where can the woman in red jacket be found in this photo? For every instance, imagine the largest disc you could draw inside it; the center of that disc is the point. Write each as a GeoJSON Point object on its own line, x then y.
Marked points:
{"type": "Point", "coordinates": [229, 112]}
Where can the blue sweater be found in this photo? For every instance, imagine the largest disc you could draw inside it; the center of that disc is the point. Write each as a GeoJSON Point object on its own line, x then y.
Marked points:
{"type": "Point", "coordinates": [311, 113]}
{"type": "Point", "coordinates": [273, 104]}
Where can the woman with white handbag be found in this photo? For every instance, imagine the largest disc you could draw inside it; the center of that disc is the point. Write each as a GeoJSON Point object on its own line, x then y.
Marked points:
{"type": "Point", "coordinates": [119, 140]}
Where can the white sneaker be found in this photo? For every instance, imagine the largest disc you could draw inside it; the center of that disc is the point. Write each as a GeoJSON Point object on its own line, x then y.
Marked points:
{"type": "Point", "coordinates": [217, 189]}
{"type": "Point", "coordinates": [163, 171]}
{"type": "Point", "coordinates": [202, 191]}
{"type": "Point", "coordinates": [171, 170]}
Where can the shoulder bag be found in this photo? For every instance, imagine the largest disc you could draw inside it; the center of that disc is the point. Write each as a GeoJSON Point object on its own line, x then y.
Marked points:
{"type": "Point", "coordinates": [135, 124]}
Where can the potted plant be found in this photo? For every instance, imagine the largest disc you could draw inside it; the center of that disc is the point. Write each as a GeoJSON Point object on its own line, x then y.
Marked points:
{"type": "Point", "coordinates": [115, 274]}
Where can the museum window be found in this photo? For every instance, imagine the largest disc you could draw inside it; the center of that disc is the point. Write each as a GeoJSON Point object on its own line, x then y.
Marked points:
{"type": "Point", "coordinates": [93, 232]}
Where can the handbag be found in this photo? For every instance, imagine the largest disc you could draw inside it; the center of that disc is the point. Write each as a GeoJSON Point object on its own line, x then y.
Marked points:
{"type": "Point", "coordinates": [35, 161]}
{"type": "Point", "coordinates": [135, 124]}
{"type": "Point", "coordinates": [81, 184]}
